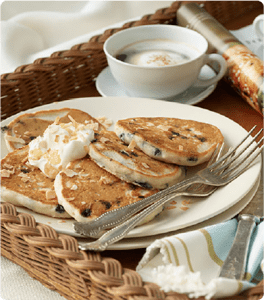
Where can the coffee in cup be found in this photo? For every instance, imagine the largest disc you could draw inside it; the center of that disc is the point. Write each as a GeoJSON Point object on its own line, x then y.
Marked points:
{"type": "Point", "coordinates": [157, 53]}
{"type": "Point", "coordinates": [159, 61]}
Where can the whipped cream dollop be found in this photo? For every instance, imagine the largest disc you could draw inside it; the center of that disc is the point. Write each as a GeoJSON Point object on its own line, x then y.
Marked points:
{"type": "Point", "coordinates": [59, 145]}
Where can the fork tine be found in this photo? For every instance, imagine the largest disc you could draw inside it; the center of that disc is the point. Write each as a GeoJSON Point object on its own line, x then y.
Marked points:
{"type": "Point", "coordinates": [229, 153]}
{"type": "Point", "coordinates": [215, 157]}
{"type": "Point", "coordinates": [245, 162]}
{"type": "Point", "coordinates": [241, 152]}
{"type": "Point", "coordinates": [217, 153]}
{"type": "Point", "coordinates": [233, 152]}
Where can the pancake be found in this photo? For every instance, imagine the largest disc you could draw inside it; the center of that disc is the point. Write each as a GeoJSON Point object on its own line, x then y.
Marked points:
{"type": "Point", "coordinates": [177, 141]}
{"type": "Point", "coordinates": [86, 191]}
{"type": "Point", "coordinates": [26, 127]}
{"type": "Point", "coordinates": [25, 185]}
{"type": "Point", "coordinates": [132, 165]}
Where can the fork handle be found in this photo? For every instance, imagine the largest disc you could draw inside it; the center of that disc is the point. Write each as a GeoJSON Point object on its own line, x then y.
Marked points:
{"type": "Point", "coordinates": [118, 216]}
{"type": "Point", "coordinates": [234, 265]}
{"type": "Point", "coordinates": [120, 231]}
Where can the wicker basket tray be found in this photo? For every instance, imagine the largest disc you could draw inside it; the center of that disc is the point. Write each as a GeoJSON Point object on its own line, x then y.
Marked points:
{"type": "Point", "coordinates": [65, 72]}
{"type": "Point", "coordinates": [55, 259]}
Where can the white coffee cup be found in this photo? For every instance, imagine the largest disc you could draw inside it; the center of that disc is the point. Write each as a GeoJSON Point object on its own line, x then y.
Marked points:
{"type": "Point", "coordinates": [258, 25]}
{"type": "Point", "coordinates": [161, 82]}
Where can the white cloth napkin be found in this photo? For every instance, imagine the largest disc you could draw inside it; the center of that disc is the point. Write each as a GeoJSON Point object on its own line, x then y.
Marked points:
{"type": "Point", "coordinates": [59, 25]}
{"type": "Point", "coordinates": [190, 262]}
{"type": "Point", "coordinates": [248, 37]}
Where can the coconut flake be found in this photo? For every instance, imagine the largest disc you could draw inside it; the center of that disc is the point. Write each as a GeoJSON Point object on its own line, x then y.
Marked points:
{"type": "Point", "coordinates": [70, 173]}
{"type": "Point", "coordinates": [50, 194]}
{"type": "Point", "coordinates": [15, 139]}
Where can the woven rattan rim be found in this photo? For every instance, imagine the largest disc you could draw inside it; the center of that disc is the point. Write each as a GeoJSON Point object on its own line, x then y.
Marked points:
{"type": "Point", "coordinates": [54, 259]}
{"type": "Point", "coordinates": [54, 78]}
{"type": "Point", "coordinates": [31, 244]}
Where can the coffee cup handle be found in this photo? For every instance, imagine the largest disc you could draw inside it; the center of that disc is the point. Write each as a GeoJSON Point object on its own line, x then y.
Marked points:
{"type": "Point", "coordinates": [212, 58]}
{"type": "Point", "coordinates": [257, 26]}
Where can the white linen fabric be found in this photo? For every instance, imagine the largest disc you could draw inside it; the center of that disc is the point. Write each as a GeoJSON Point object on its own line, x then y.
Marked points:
{"type": "Point", "coordinates": [58, 25]}
{"type": "Point", "coordinates": [16, 284]}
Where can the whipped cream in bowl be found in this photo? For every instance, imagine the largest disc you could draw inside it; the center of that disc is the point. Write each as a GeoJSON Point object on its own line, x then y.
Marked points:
{"type": "Point", "coordinates": [59, 145]}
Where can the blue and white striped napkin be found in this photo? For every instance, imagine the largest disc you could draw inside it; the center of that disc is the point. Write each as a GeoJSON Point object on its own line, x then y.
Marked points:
{"type": "Point", "coordinates": [190, 262]}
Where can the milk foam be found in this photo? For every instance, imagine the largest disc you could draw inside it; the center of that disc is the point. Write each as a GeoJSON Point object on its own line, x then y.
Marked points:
{"type": "Point", "coordinates": [157, 53]}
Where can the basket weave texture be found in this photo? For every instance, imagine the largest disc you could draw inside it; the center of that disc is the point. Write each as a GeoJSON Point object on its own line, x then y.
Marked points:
{"type": "Point", "coordinates": [53, 78]}
{"type": "Point", "coordinates": [55, 259]}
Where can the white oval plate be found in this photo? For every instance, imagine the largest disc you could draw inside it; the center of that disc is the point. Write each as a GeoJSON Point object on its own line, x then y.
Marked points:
{"type": "Point", "coordinates": [200, 210]}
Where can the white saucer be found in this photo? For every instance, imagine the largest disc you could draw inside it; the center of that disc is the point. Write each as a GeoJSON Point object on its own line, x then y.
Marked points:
{"type": "Point", "coordinates": [108, 87]}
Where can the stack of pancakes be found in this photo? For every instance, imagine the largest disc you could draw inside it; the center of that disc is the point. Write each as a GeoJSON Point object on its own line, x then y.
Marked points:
{"type": "Point", "coordinates": [139, 158]}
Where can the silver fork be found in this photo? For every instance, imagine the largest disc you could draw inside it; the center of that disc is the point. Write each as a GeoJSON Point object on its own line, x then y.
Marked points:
{"type": "Point", "coordinates": [194, 190]}
{"type": "Point", "coordinates": [218, 174]}
{"type": "Point", "coordinates": [115, 217]}
{"type": "Point", "coordinates": [209, 176]}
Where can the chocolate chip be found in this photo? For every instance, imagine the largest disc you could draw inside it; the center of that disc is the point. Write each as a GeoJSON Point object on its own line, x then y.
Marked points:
{"type": "Point", "coordinates": [4, 128]}
{"type": "Point", "coordinates": [94, 141]}
{"type": "Point", "coordinates": [141, 197]}
{"type": "Point", "coordinates": [25, 171]}
{"type": "Point", "coordinates": [122, 137]}
{"type": "Point", "coordinates": [107, 204]}
{"type": "Point", "coordinates": [157, 152]}
{"type": "Point", "coordinates": [124, 152]}
{"type": "Point", "coordinates": [245, 93]}
{"type": "Point", "coordinates": [135, 154]}
{"type": "Point", "coordinates": [202, 139]}
{"type": "Point", "coordinates": [86, 213]}
{"type": "Point", "coordinates": [175, 133]}
{"type": "Point", "coordinates": [60, 209]}
{"type": "Point", "coordinates": [132, 186]}
{"type": "Point", "coordinates": [32, 137]}
{"type": "Point", "coordinates": [145, 185]}
{"type": "Point", "coordinates": [184, 137]}
{"type": "Point", "coordinates": [192, 158]}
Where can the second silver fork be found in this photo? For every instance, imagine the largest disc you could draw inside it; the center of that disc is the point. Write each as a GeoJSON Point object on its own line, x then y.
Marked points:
{"type": "Point", "coordinates": [216, 172]}
{"type": "Point", "coordinates": [115, 217]}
